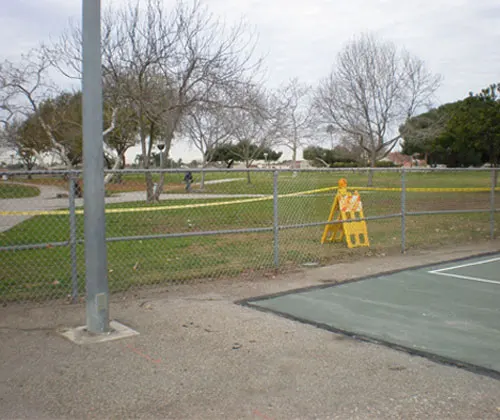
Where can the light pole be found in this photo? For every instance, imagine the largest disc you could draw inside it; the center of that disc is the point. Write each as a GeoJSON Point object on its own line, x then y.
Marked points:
{"type": "Point", "coordinates": [265, 157]}
{"type": "Point", "coordinates": [96, 272]}
{"type": "Point", "coordinates": [161, 146]}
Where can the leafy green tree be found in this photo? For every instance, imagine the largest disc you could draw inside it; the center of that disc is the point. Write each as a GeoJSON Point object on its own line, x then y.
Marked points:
{"type": "Point", "coordinates": [119, 137]}
{"type": "Point", "coordinates": [319, 156]}
{"type": "Point", "coordinates": [223, 153]}
{"type": "Point", "coordinates": [462, 133]}
{"type": "Point", "coordinates": [268, 154]}
{"type": "Point", "coordinates": [420, 132]}
{"type": "Point", "coordinates": [243, 151]}
{"type": "Point", "coordinates": [28, 144]}
{"type": "Point", "coordinates": [25, 137]}
{"type": "Point", "coordinates": [64, 115]}
{"type": "Point", "coordinates": [477, 123]}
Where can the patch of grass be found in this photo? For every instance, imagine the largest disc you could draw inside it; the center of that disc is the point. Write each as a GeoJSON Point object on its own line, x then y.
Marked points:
{"type": "Point", "coordinates": [262, 183]}
{"type": "Point", "coordinates": [17, 191]}
{"type": "Point", "coordinates": [46, 273]}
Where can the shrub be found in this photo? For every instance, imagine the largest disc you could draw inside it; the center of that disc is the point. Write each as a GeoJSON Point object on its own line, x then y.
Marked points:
{"type": "Point", "coordinates": [345, 165]}
{"type": "Point", "coordinates": [385, 164]}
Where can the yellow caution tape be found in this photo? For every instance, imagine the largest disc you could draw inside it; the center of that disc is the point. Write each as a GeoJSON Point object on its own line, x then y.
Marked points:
{"type": "Point", "coordinates": [413, 189]}
{"type": "Point", "coordinates": [133, 209]}
{"type": "Point", "coordinates": [243, 201]}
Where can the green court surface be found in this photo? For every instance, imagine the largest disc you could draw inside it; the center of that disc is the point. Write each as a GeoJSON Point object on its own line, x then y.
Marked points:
{"type": "Point", "coordinates": [448, 312]}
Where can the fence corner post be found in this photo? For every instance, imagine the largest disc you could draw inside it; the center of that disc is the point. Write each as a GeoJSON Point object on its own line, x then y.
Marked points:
{"type": "Point", "coordinates": [276, 221]}
{"type": "Point", "coordinates": [492, 202]}
{"type": "Point", "coordinates": [72, 237]}
{"type": "Point", "coordinates": [403, 210]}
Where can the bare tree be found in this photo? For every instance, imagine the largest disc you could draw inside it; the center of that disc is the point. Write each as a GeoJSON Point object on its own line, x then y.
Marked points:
{"type": "Point", "coordinates": [23, 87]}
{"type": "Point", "coordinates": [27, 139]}
{"type": "Point", "coordinates": [208, 64]}
{"type": "Point", "coordinates": [119, 139]}
{"type": "Point", "coordinates": [27, 92]}
{"type": "Point", "coordinates": [295, 115]}
{"type": "Point", "coordinates": [207, 127]}
{"type": "Point", "coordinates": [372, 90]}
{"type": "Point", "coordinates": [132, 47]}
{"type": "Point", "coordinates": [162, 65]}
{"type": "Point", "coordinates": [330, 129]}
{"type": "Point", "coordinates": [255, 131]}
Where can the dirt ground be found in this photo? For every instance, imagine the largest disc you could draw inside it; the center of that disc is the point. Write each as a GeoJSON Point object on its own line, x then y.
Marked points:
{"type": "Point", "coordinates": [201, 356]}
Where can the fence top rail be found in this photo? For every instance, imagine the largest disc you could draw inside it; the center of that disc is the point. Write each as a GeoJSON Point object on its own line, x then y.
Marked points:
{"type": "Point", "coordinates": [77, 172]}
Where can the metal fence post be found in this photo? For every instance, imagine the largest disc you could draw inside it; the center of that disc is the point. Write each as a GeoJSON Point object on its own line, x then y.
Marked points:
{"type": "Point", "coordinates": [73, 239]}
{"type": "Point", "coordinates": [276, 221]}
{"type": "Point", "coordinates": [492, 203]}
{"type": "Point", "coordinates": [403, 210]}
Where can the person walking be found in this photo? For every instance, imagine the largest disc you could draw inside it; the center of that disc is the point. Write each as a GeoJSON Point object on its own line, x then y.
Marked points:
{"type": "Point", "coordinates": [188, 179]}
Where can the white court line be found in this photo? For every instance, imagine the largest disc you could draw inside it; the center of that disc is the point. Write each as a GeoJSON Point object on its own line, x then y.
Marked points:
{"type": "Point", "coordinates": [465, 265]}
{"type": "Point", "coordinates": [458, 276]}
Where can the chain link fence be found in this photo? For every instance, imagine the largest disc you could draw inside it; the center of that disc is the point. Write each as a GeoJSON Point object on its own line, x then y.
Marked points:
{"type": "Point", "coordinates": [226, 224]}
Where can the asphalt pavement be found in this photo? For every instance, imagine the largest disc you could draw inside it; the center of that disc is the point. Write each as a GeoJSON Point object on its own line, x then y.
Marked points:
{"type": "Point", "coordinates": [201, 356]}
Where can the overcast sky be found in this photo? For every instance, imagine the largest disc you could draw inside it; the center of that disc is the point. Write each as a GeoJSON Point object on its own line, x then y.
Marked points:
{"type": "Point", "coordinates": [459, 39]}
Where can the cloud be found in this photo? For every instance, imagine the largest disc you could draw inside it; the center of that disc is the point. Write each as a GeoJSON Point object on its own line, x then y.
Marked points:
{"type": "Point", "coordinates": [457, 38]}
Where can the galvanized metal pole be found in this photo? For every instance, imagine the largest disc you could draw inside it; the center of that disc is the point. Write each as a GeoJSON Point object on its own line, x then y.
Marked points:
{"type": "Point", "coordinates": [492, 203]}
{"type": "Point", "coordinates": [72, 240]}
{"type": "Point", "coordinates": [93, 172]}
{"type": "Point", "coordinates": [403, 210]}
{"type": "Point", "coordinates": [276, 221]}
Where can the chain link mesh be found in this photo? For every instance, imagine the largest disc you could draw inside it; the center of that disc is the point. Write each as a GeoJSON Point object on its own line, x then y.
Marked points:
{"type": "Point", "coordinates": [223, 225]}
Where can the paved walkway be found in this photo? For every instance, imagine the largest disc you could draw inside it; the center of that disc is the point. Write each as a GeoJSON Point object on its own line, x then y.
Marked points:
{"type": "Point", "coordinates": [47, 200]}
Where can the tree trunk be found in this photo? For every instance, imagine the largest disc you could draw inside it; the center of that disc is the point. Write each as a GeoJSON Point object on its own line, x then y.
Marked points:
{"type": "Point", "coordinates": [109, 177]}
{"type": "Point", "coordinates": [150, 193]}
{"type": "Point", "coordinates": [202, 181]}
{"type": "Point", "coordinates": [119, 177]}
{"type": "Point", "coordinates": [294, 160]}
{"type": "Point", "coordinates": [373, 160]}
{"type": "Point", "coordinates": [161, 182]}
{"type": "Point", "coordinates": [247, 165]}
{"type": "Point", "coordinates": [171, 125]}
{"type": "Point", "coordinates": [146, 153]}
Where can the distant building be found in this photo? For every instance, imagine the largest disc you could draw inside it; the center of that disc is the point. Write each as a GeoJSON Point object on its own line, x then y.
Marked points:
{"type": "Point", "coordinates": [288, 164]}
{"type": "Point", "coordinates": [400, 159]}
{"type": "Point", "coordinates": [262, 164]}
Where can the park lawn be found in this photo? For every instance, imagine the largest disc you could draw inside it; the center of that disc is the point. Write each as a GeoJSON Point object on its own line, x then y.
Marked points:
{"type": "Point", "coordinates": [141, 218]}
{"type": "Point", "coordinates": [17, 191]}
{"type": "Point", "coordinates": [262, 182]}
{"type": "Point", "coordinates": [45, 273]}
{"type": "Point", "coordinates": [132, 181]}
